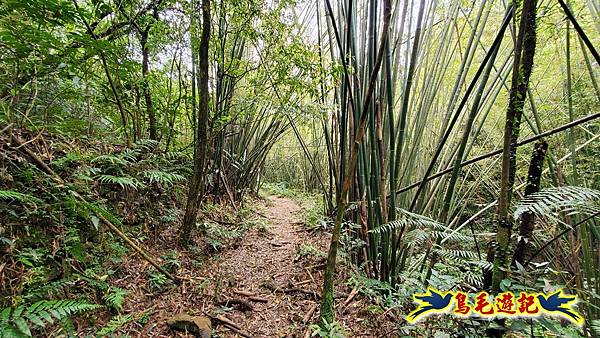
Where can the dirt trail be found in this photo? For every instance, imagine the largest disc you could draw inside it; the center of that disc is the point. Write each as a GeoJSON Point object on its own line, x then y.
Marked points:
{"type": "Point", "coordinates": [282, 266]}
{"type": "Point", "coordinates": [269, 266]}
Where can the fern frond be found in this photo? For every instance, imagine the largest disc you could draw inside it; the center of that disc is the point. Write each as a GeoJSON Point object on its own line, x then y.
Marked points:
{"type": "Point", "coordinates": [473, 279]}
{"type": "Point", "coordinates": [162, 177]}
{"type": "Point", "coordinates": [11, 195]}
{"type": "Point", "coordinates": [19, 321]}
{"type": "Point", "coordinates": [457, 254]}
{"type": "Point", "coordinates": [568, 199]}
{"type": "Point", "coordinates": [123, 181]}
{"type": "Point", "coordinates": [453, 236]}
{"type": "Point", "coordinates": [130, 155]}
{"type": "Point", "coordinates": [485, 265]}
{"type": "Point", "coordinates": [171, 215]}
{"type": "Point", "coordinates": [49, 289]}
{"type": "Point", "coordinates": [110, 159]}
{"type": "Point", "coordinates": [115, 298]}
{"type": "Point", "coordinates": [417, 237]}
{"type": "Point", "coordinates": [595, 326]}
{"type": "Point", "coordinates": [146, 144]}
{"type": "Point", "coordinates": [407, 219]}
{"type": "Point", "coordinates": [87, 174]}
{"type": "Point", "coordinates": [114, 324]}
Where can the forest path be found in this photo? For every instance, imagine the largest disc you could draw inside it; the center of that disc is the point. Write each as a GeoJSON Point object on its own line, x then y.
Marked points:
{"type": "Point", "coordinates": [270, 266]}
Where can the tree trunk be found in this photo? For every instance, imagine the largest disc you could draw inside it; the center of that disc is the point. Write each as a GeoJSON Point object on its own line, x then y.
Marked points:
{"type": "Point", "coordinates": [145, 85]}
{"type": "Point", "coordinates": [527, 224]}
{"type": "Point", "coordinates": [196, 188]}
{"type": "Point", "coordinates": [523, 63]}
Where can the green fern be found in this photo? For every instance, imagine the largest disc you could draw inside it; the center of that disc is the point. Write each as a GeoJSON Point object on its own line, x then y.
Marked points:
{"type": "Point", "coordinates": [49, 289]}
{"type": "Point", "coordinates": [171, 215]}
{"type": "Point", "coordinates": [457, 255]}
{"type": "Point", "coordinates": [115, 298]}
{"type": "Point", "coordinates": [19, 321]}
{"type": "Point", "coordinates": [110, 159]}
{"type": "Point", "coordinates": [123, 181]}
{"type": "Point", "coordinates": [146, 144]}
{"type": "Point", "coordinates": [452, 236]}
{"type": "Point", "coordinates": [595, 326]}
{"type": "Point", "coordinates": [130, 155]}
{"type": "Point", "coordinates": [475, 279]}
{"type": "Point", "coordinates": [11, 195]}
{"type": "Point", "coordinates": [407, 219]}
{"type": "Point", "coordinates": [87, 174]}
{"type": "Point", "coordinates": [162, 177]}
{"type": "Point", "coordinates": [114, 324]}
{"type": "Point", "coordinates": [560, 199]}
{"type": "Point", "coordinates": [417, 237]}
{"type": "Point", "coordinates": [485, 265]}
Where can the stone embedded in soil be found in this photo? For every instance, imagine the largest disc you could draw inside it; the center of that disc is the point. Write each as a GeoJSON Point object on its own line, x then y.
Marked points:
{"type": "Point", "coordinates": [198, 325]}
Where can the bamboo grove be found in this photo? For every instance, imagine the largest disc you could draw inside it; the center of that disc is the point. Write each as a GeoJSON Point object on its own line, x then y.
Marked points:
{"type": "Point", "coordinates": [425, 126]}
{"type": "Point", "coordinates": [444, 71]}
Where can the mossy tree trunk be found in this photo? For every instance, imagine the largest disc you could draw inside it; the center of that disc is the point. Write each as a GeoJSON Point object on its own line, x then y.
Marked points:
{"type": "Point", "coordinates": [526, 226]}
{"type": "Point", "coordinates": [145, 83]}
{"type": "Point", "coordinates": [522, 66]}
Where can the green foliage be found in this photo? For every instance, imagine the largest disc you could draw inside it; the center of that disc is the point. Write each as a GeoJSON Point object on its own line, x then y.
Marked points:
{"type": "Point", "coordinates": [564, 199]}
{"type": "Point", "coordinates": [279, 189]}
{"type": "Point", "coordinates": [158, 280]}
{"type": "Point", "coordinates": [54, 81]}
{"type": "Point", "coordinates": [349, 242]}
{"type": "Point", "coordinates": [11, 195]}
{"type": "Point", "coordinates": [130, 155]}
{"type": "Point", "coordinates": [32, 257]}
{"type": "Point", "coordinates": [67, 160]}
{"type": "Point", "coordinates": [110, 159]}
{"type": "Point", "coordinates": [146, 144]}
{"type": "Point", "coordinates": [96, 209]}
{"type": "Point", "coordinates": [595, 326]}
{"type": "Point", "coordinates": [457, 254]}
{"type": "Point", "coordinates": [128, 168]}
{"type": "Point", "coordinates": [328, 330]}
{"type": "Point", "coordinates": [49, 290]}
{"type": "Point", "coordinates": [162, 177]}
{"type": "Point", "coordinates": [309, 250]}
{"type": "Point", "coordinates": [115, 324]}
{"type": "Point", "coordinates": [407, 219]}
{"type": "Point", "coordinates": [313, 211]}
{"type": "Point", "coordinates": [115, 297]}
{"type": "Point", "coordinates": [18, 322]}
{"type": "Point", "coordinates": [123, 181]}
{"type": "Point", "coordinates": [171, 215]}
{"type": "Point", "coordinates": [217, 234]}
{"type": "Point", "coordinates": [171, 261]}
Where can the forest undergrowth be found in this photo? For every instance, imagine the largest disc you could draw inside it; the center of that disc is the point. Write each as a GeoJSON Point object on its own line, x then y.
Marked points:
{"type": "Point", "coordinates": [63, 273]}
{"type": "Point", "coordinates": [297, 168]}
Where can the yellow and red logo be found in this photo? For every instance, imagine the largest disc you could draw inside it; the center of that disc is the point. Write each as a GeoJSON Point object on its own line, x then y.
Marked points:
{"type": "Point", "coordinates": [504, 305]}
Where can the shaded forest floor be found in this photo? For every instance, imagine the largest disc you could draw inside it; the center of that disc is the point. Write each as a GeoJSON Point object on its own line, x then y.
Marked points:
{"type": "Point", "coordinates": [268, 283]}
{"type": "Point", "coordinates": [259, 265]}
